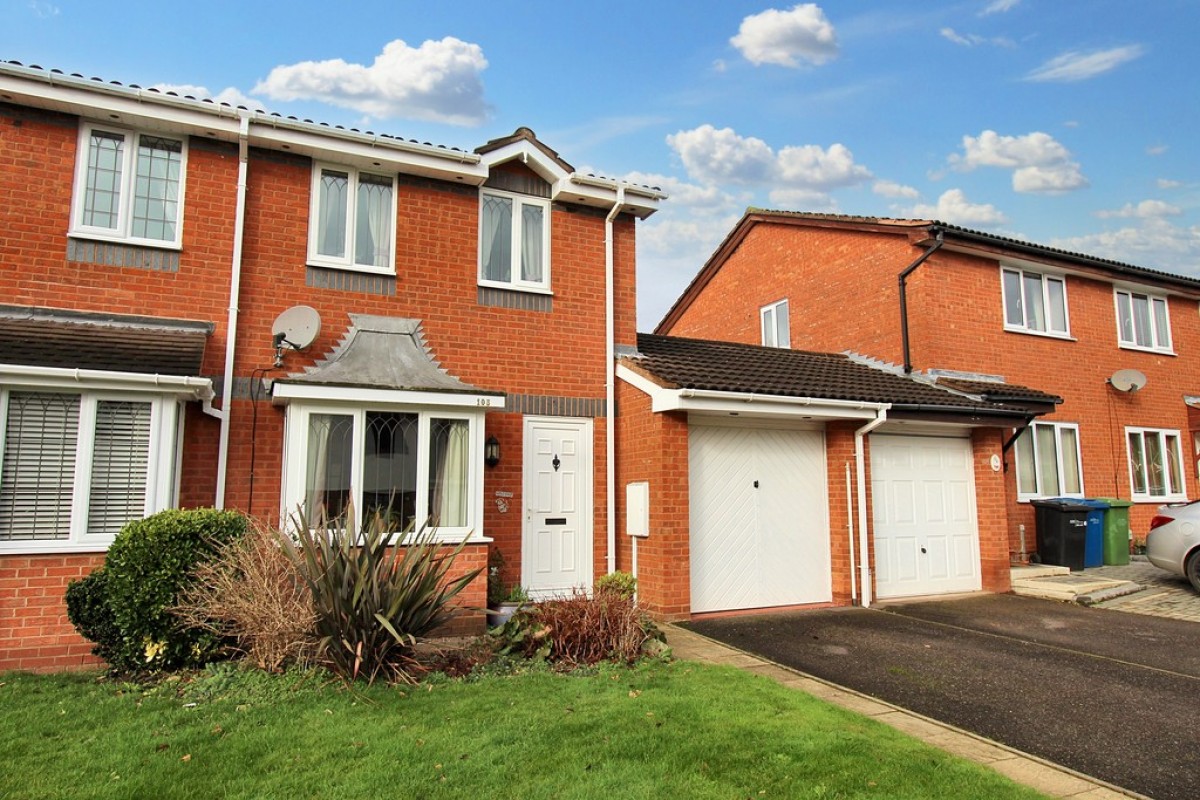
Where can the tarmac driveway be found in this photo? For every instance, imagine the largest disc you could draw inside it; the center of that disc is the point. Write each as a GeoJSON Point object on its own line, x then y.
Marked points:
{"type": "Point", "coordinates": [1111, 695]}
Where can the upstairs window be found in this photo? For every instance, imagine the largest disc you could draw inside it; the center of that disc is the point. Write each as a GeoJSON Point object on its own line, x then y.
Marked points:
{"type": "Point", "coordinates": [129, 187]}
{"type": "Point", "coordinates": [775, 325]}
{"type": "Point", "coordinates": [1034, 303]}
{"type": "Point", "coordinates": [1155, 464]}
{"type": "Point", "coordinates": [1142, 321]}
{"type": "Point", "coordinates": [352, 223]}
{"type": "Point", "coordinates": [1048, 463]}
{"type": "Point", "coordinates": [514, 241]}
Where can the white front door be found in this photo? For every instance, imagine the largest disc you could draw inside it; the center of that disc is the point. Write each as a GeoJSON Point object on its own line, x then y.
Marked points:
{"type": "Point", "coordinates": [926, 531]}
{"type": "Point", "coordinates": [556, 547]}
{"type": "Point", "coordinates": [759, 518]}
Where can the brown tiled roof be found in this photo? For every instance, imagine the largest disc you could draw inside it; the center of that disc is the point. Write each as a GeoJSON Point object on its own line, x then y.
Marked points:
{"type": "Point", "coordinates": [46, 337]}
{"type": "Point", "coordinates": [679, 363]}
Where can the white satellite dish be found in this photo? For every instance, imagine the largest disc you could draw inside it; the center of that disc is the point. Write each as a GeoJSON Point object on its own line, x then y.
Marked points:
{"type": "Point", "coordinates": [297, 327]}
{"type": "Point", "coordinates": [1127, 380]}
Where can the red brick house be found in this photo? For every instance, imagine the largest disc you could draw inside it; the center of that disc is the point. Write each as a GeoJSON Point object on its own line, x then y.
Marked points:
{"type": "Point", "coordinates": [204, 305]}
{"type": "Point", "coordinates": [1117, 343]}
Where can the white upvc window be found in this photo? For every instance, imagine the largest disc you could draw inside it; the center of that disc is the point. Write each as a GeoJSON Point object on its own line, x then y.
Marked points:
{"type": "Point", "coordinates": [129, 186]}
{"type": "Point", "coordinates": [76, 466]}
{"type": "Point", "coordinates": [514, 241]}
{"type": "Point", "coordinates": [1034, 302]}
{"type": "Point", "coordinates": [776, 327]}
{"type": "Point", "coordinates": [352, 220]}
{"type": "Point", "coordinates": [1155, 464]}
{"type": "Point", "coordinates": [1143, 322]}
{"type": "Point", "coordinates": [1048, 462]}
{"type": "Point", "coordinates": [411, 466]}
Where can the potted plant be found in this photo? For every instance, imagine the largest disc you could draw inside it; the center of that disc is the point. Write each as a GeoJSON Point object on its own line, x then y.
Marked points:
{"type": "Point", "coordinates": [503, 601]}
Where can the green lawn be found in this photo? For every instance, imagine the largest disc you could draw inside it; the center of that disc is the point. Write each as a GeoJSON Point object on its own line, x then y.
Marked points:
{"type": "Point", "coordinates": [678, 730]}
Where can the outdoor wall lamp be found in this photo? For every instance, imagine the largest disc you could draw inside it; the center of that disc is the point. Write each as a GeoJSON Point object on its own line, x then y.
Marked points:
{"type": "Point", "coordinates": [491, 451]}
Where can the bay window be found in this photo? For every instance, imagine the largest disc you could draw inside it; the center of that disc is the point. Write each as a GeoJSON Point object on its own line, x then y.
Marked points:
{"type": "Point", "coordinates": [352, 221]}
{"type": "Point", "coordinates": [129, 187]}
{"type": "Point", "coordinates": [1048, 462]}
{"type": "Point", "coordinates": [407, 466]}
{"type": "Point", "coordinates": [1155, 464]}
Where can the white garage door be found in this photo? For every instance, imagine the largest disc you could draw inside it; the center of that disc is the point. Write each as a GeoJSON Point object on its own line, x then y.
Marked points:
{"type": "Point", "coordinates": [926, 531]}
{"type": "Point", "coordinates": [759, 518]}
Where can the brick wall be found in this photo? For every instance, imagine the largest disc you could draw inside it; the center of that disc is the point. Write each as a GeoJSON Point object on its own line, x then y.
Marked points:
{"type": "Point", "coordinates": [556, 353]}
{"type": "Point", "coordinates": [34, 631]}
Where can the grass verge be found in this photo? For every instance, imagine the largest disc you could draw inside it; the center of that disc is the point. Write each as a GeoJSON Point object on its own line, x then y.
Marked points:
{"type": "Point", "coordinates": [657, 731]}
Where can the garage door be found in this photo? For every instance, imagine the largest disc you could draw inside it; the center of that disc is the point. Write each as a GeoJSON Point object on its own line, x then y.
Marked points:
{"type": "Point", "coordinates": [926, 531]}
{"type": "Point", "coordinates": [759, 518]}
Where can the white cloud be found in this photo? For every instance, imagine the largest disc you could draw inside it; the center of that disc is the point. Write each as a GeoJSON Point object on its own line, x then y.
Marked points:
{"type": "Point", "coordinates": [1079, 66]}
{"type": "Point", "coordinates": [1040, 164]}
{"type": "Point", "coordinates": [1167, 183]}
{"type": "Point", "coordinates": [1147, 209]}
{"type": "Point", "coordinates": [436, 82]}
{"type": "Point", "coordinates": [973, 39]}
{"type": "Point", "coordinates": [1155, 244]}
{"type": "Point", "coordinates": [953, 207]}
{"type": "Point", "coordinates": [802, 200]}
{"type": "Point", "coordinates": [719, 66]}
{"type": "Point", "coordinates": [886, 188]}
{"type": "Point", "coordinates": [999, 7]}
{"type": "Point", "coordinates": [713, 156]}
{"type": "Point", "coordinates": [787, 37]}
{"type": "Point", "coordinates": [230, 95]}
{"type": "Point", "coordinates": [1156, 150]}
{"type": "Point", "coordinates": [43, 9]}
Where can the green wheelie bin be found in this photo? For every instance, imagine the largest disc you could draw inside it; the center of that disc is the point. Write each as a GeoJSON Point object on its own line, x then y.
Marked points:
{"type": "Point", "coordinates": [1116, 531]}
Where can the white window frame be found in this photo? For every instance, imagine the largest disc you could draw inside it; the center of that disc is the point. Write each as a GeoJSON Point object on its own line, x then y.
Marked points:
{"type": "Point", "coordinates": [1045, 278]}
{"type": "Point", "coordinates": [1158, 345]}
{"type": "Point", "coordinates": [1039, 479]}
{"type": "Point", "coordinates": [346, 261]}
{"type": "Point", "coordinates": [161, 468]}
{"type": "Point", "coordinates": [296, 461]}
{"type": "Point", "coordinates": [1173, 493]}
{"type": "Point", "coordinates": [515, 282]}
{"type": "Point", "coordinates": [775, 333]}
{"type": "Point", "coordinates": [128, 175]}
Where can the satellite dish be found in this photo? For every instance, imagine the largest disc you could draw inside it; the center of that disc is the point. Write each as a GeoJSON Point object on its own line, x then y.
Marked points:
{"type": "Point", "coordinates": [297, 327]}
{"type": "Point", "coordinates": [1127, 380]}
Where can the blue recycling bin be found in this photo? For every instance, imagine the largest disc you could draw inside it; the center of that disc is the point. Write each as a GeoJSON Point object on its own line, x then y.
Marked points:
{"type": "Point", "coordinates": [1093, 543]}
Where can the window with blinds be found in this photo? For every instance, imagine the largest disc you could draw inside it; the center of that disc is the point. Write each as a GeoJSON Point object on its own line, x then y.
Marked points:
{"type": "Point", "coordinates": [37, 477]}
{"type": "Point", "coordinates": [120, 465]}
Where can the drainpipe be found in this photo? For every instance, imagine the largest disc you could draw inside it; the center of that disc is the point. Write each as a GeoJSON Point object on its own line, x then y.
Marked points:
{"type": "Point", "coordinates": [933, 248]}
{"type": "Point", "coordinates": [864, 554]}
{"type": "Point", "coordinates": [610, 381]}
{"type": "Point", "coordinates": [235, 287]}
{"type": "Point", "coordinates": [850, 527]}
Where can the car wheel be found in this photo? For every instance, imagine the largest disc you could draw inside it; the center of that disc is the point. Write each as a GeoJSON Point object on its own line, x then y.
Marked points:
{"type": "Point", "coordinates": [1192, 569]}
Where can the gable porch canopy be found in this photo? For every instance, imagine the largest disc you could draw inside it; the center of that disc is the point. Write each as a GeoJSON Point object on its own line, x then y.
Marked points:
{"type": "Point", "coordinates": [383, 360]}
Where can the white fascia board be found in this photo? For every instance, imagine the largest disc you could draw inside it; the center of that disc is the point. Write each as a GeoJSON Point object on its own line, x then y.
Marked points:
{"type": "Point", "coordinates": [366, 150]}
{"type": "Point", "coordinates": [281, 393]}
{"type": "Point", "coordinates": [600, 192]}
{"type": "Point", "coordinates": [530, 156]}
{"type": "Point", "coordinates": [725, 403]}
{"type": "Point", "coordinates": [95, 379]}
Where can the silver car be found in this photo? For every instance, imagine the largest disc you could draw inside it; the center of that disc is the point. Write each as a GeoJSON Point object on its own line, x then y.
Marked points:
{"type": "Point", "coordinates": [1173, 542]}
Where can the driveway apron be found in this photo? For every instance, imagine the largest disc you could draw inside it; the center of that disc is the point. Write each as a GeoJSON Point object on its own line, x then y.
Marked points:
{"type": "Point", "coordinates": [1108, 694]}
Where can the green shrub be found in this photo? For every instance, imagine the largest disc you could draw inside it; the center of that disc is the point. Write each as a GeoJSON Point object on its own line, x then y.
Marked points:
{"type": "Point", "coordinates": [619, 583]}
{"type": "Point", "coordinates": [149, 563]}
{"type": "Point", "coordinates": [90, 613]}
{"type": "Point", "coordinates": [372, 598]}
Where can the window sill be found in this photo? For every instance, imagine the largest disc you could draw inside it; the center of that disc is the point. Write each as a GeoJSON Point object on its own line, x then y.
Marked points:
{"type": "Point", "coordinates": [1158, 351]}
{"type": "Point", "coordinates": [509, 287]}
{"type": "Point", "coordinates": [1029, 498]}
{"type": "Point", "coordinates": [1159, 501]}
{"type": "Point", "coordinates": [1064, 337]}
{"type": "Point", "coordinates": [387, 272]}
{"type": "Point", "coordinates": [128, 241]}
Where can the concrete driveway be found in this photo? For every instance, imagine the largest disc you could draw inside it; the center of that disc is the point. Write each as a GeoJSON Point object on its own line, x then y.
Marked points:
{"type": "Point", "coordinates": [1108, 694]}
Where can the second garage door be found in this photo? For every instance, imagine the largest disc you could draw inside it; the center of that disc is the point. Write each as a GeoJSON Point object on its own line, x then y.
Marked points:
{"type": "Point", "coordinates": [926, 531]}
{"type": "Point", "coordinates": [759, 518]}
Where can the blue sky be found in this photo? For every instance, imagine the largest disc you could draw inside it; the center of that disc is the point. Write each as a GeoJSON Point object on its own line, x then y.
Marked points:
{"type": "Point", "coordinates": [1071, 123]}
